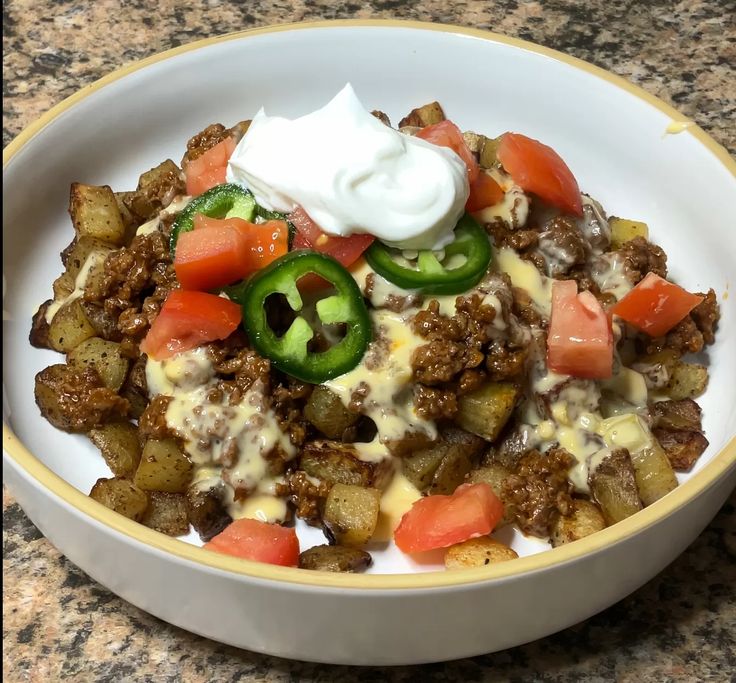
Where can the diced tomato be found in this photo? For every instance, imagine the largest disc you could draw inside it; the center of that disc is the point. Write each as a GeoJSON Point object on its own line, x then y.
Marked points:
{"type": "Point", "coordinates": [447, 134]}
{"type": "Point", "coordinates": [485, 191]}
{"type": "Point", "coordinates": [441, 521]}
{"type": "Point", "coordinates": [539, 169]}
{"type": "Point", "coordinates": [346, 250]}
{"type": "Point", "coordinates": [189, 319]}
{"type": "Point", "coordinates": [655, 305]}
{"type": "Point", "coordinates": [220, 251]}
{"type": "Point", "coordinates": [208, 170]}
{"type": "Point", "coordinates": [259, 541]}
{"type": "Point", "coordinates": [580, 341]}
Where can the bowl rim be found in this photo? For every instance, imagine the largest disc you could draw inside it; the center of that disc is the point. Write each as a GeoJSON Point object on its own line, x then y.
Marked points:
{"type": "Point", "coordinates": [46, 478]}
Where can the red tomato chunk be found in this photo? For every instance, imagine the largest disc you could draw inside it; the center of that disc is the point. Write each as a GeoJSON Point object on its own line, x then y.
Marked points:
{"type": "Point", "coordinates": [219, 252]}
{"type": "Point", "coordinates": [347, 250]}
{"type": "Point", "coordinates": [484, 192]}
{"type": "Point", "coordinates": [447, 134]}
{"type": "Point", "coordinates": [539, 169]}
{"type": "Point", "coordinates": [655, 305]}
{"type": "Point", "coordinates": [189, 319]}
{"type": "Point", "coordinates": [254, 540]}
{"type": "Point", "coordinates": [580, 341]}
{"type": "Point", "coordinates": [208, 170]}
{"type": "Point", "coordinates": [441, 521]}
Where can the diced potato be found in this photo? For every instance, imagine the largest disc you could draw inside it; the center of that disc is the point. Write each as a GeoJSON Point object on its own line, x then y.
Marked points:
{"type": "Point", "coordinates": [80, 250]}
{"type": "Point", "coordinates": [120, 447]}
{"type": "Point", "coordinates": [338, 463]}
{"type": "Point", "coordinates": [493, 474]}
{"type": "Point", "coordinates": [105, 357]}
{"type": "Point", "coordinates": [351, 513]}
{"type": "Point", "coordinates": [488, 152]}
{"type": "Point", "coordinates": [683, 414]}
{"type": "Point", "coordinates": [69, 327]}
{"type": "Point", "coordinates": [687, 380]}
{"type": "Point", "coordinates": [586, 518]}
{"type": "Point", "coordinates": [167, 513]}
{"type": "Point", "coordinates": [206, 509]}
{"type": "Point", "coordinates": [163, 467]}
{"type": "Point", "coordinates": [683, 447]}
{"type": "Point", "coordinates": [452, 470]}
{"type": "Point", "coordinates": [486, 410]}
{"type": "Point", "coordinates": [408, 444]}
{"type": "Point", "coordinates": [613, 485]}
{"type": "Point", "coordinates": [94, 211]}
{"type": "Point", "coordinates": [129, 220]}
{"type": "Point", "coordinates": [478, 552]}
{"type": "Point", "coordinates": [135, 388]}
{"type": "Point", "coordinates": [39, 334]}
{"type": "Point", "coordinates": [328, 414]}
{"type": "Point", "coordinates": [473, 141]}
{"type": "Point", "coordinates": [420, 468]}
{"type": "Point", "coordinates": [63, 286]}
{"type": "Point", "coordinates": [334, 558]}
{"type": "Point", "coordinates": [122, 496]}
{"type": "Point", "coordinates": [624, 230]}
{"type": "Point", "coordinates": [424, 116]}
{"type": "Point", "coordinates": [654, 474]}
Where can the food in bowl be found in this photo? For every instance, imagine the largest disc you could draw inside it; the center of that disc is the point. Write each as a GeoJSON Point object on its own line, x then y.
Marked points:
{"type": "Point", "coordinates": [413, 333]}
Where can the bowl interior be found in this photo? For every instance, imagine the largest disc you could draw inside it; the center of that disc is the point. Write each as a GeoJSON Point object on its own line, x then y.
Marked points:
{"type": "Point", "coordinates": [615, 143]}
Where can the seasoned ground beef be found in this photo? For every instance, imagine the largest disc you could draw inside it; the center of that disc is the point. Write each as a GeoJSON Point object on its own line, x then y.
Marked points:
{"type": "Point", "coordinates": [75, 400]}
{"type": "Point", "coordinates": [641, 257]}
{"type": "Point", "coordinates": [434, 404]}
{"type": "Point", "coordinates": [538, 490]}
{"type": "Point", "coordinates": [130, 271]}
{"type": "Point", "coordinates": [39, 335]}
{"type": "Point", "coordinates": [152, 423]}
{"type": "Point", "coordinates": [504, 236]}
{"type": "Point", "coordinates": [211, 136]}
{"type": "Point", "coordinates": [706, 315]}
{"type": "Point", "coordinates": [308, 496]}
{"type": "Point", "coordinates": [562, 245]}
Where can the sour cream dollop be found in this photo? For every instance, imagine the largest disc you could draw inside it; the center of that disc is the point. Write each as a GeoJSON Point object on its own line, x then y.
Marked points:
{"type": "Point", "coordinates": [353, 174]}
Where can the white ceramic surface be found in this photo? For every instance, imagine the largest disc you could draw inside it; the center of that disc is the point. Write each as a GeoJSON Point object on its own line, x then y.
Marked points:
{"type": "Point", "coordinates": [615, 140]}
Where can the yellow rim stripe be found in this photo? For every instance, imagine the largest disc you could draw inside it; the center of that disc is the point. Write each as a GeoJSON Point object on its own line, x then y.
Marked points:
{"type": "Point", "coordinates": [703, 480]}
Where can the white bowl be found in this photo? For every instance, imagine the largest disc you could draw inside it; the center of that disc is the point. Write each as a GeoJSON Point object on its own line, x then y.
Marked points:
{"type": "Point", "coordinates": [622, 146]}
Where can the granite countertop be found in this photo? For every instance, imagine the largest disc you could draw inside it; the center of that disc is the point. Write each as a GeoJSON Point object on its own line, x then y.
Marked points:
{"type": "Point", "coordinates": [59, 624]}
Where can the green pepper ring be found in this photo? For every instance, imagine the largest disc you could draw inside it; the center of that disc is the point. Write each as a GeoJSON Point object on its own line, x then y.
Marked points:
{"type": "Point", "coordinates": [471, 241]}
{"type": "Point", "coordinates": [289, 352]}
{"type": "Point", "coordinates": [226, 200]}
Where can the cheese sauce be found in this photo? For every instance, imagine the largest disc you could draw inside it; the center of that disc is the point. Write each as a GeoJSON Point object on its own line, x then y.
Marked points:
{"type": "Point", "coordinates": [94, 260]}
{"type": "Point", "coordinates": [237, 438]}
{"type": "Point", "coordinates": [385, 375]}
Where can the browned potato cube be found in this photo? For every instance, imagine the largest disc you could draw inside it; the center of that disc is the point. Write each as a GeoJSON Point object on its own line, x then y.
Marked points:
{"type": "Point", "coordinates": [586, 518]}
{"type": "Point", "coordinates": [338, 463]}
{"type": "Point", "coordinates": [488, 151]}
{"type": "Point", "coordinates": [79, 251]}
{"type": "Point", "coordinates": [105, 357]}
{"type": "Point", "coordinates": [493, 474]}
{"type": "Point", "coordinates": [63, 286]}
{"type": "Point", "coordinates": [613, 485]}
{"type": "Point", "coordinates": [334, 558]}
{"type": "Point", "coordinates": [94, 211]}
{"type": "Point", "coordinates": [120, 447]}
{"type": "Point", "coordinates": [654, 474]}
{"type": "Point", "coordinates": [623, 230]}
{"type": "Point", "coordinates": [351, 513]}
{"type": "Point", "coordinates": [453, 468]}
{"type": "Point", "coordinates": [206, 509]}
{"type": "Point", "coordinates": [478, 552]}
{"type": "Point", "coordinates": [122, 496]}
{"type": "Point", "coordinates": [69, 327]}
{"type": "Point", "coordinates": [163, 467]}
{"type": "Point", "coordinates": [424, 116]}
{"type": "Point", "coordinates": [687, 380]}
{"type": "Point", "coordinates": [486, 410]}
{"type": "Point", "coordinates": [327, 413]}
{"type": "Point", "coordinates": [167, 513]}
{"type": "Point", "coordinates": [683, 447]}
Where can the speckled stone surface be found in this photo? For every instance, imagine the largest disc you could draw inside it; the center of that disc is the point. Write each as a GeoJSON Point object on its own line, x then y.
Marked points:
{"type": "Point", "coordinates": [60, 625]}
